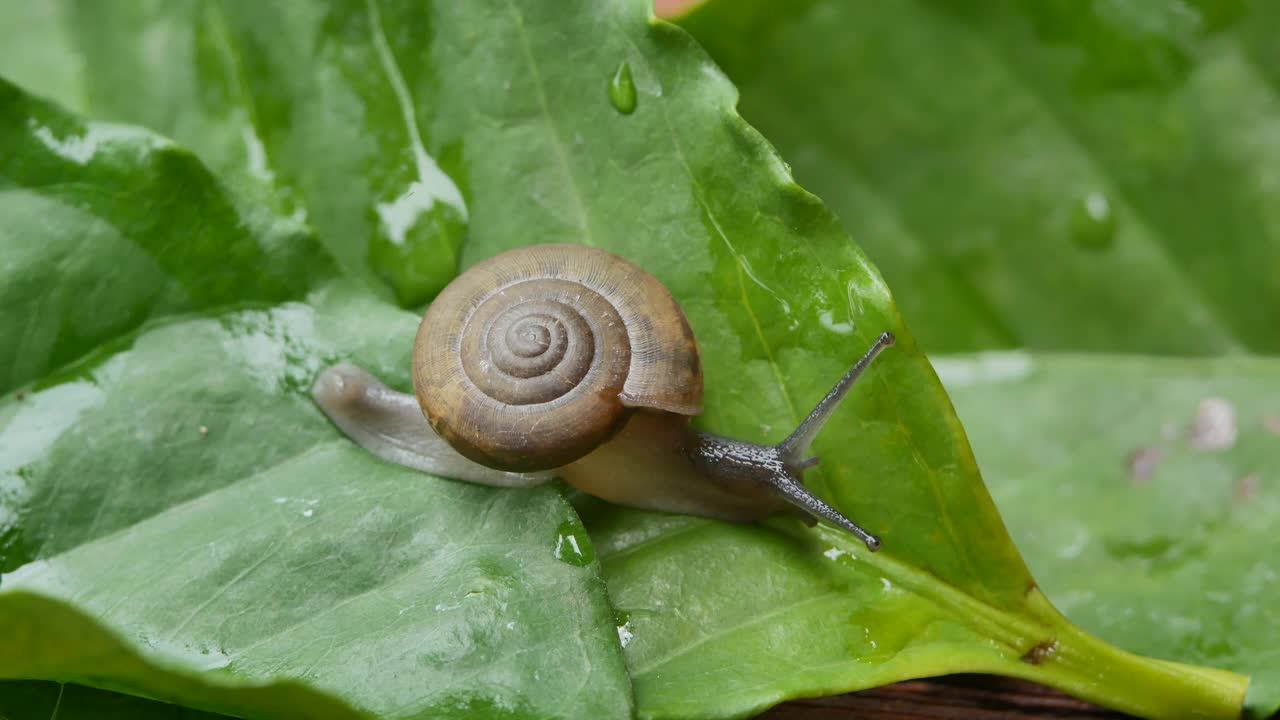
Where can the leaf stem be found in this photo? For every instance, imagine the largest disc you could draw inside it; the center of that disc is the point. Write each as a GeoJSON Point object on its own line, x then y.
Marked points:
{"type": "Point", "coordinates": [1090, 669]}
{"type": "Point", "coordinates": [1048, 649]}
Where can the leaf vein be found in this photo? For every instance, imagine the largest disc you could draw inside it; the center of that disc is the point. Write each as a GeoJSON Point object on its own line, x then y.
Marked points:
{"type": "Point", "coordinates": [557, 143]}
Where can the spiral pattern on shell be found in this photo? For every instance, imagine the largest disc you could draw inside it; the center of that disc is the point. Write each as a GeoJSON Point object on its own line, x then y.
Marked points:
{"type": "Point", "coordinates": [533, 358]}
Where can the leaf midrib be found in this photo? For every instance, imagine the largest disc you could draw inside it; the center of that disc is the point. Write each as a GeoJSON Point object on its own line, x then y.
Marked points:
{"type": "Point", "coordinates": [1003, 626]}
{"type": "Point", "coordinates": [556, 142]}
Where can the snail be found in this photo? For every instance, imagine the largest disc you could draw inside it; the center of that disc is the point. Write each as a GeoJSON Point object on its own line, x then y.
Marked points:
{"type": "Point", "coordinates": [568, 361]}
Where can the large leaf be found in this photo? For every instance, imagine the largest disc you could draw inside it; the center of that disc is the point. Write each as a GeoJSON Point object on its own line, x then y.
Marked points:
{"type": "Point", "coordinates": [180, 487]}
{"type": "Point", "coordinates": [188, 495]}
{"type": "Point", "coordinates": [1060, 175]}
{"type": "Point", "coordinates": [555, 146]}
{"type": "Point", "coordinates": [1143, 533]}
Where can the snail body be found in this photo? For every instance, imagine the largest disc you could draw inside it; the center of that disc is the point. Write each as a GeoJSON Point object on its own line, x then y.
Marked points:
{"type": "Point", "coordinates": [567, 361]}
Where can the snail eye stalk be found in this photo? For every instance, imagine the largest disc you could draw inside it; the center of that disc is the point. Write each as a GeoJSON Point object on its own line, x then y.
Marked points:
{"type": "Point", "coordinates": [793, 449]}
{"type": "Point", "coordinates": [797, 444]}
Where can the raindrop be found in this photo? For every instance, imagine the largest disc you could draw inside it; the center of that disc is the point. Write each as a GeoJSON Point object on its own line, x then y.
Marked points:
{"type": "Point", "coordinates": [572, 545]}
{"type": "Point", "coordinates": [622, 619]}
{"type": "Point", "coordinates": [1093, 222]}
{"type": "Point", "coordinates": [622, 91]}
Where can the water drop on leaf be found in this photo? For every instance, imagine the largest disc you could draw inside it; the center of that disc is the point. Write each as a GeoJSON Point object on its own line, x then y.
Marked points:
{"type": "Point", "coordinates": [1093, 223]}
{"type": "Point", "coordinates": [622, 91]}
{"type": "Point", "coordinates": [573, 546]}
{"type": "Point", "coordinates": [622, 619]}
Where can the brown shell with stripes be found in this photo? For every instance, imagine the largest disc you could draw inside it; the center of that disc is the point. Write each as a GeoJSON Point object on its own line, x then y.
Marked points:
{"type": "Point", "coordinates": [533, 358]}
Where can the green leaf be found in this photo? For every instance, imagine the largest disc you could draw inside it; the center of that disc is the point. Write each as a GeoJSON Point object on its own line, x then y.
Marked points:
{"type": "Point", "coordinates": [179, 486]}
{"type": "Point", "coordinates": [1048, 175]}
{"type": "Point", "coordinates": [108, 225]}
{"type": "Point", "coordinates": [187, 494]}
{"type": "Point", "coordinates": [31, 700]}
{"type": "Point", "coordinates": [723, 620]}
{"type": "Point", "coordinates": [781, 613]}
{"type": "Point", "coordinates": [314, 107]}
{"type": "Point", "coordinates": [1140, 534]}
{"type": "Point", "coordinates": [47, 638]}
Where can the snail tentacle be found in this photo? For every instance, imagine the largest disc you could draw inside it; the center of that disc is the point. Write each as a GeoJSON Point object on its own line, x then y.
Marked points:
{"type": "Point", "coordinates": [390, 425]}
{"type": "Point", "coordinates": [793, 449]}
{"type": "Point", "coordinates": [744, 466]}
{"type": "Point", "coordinates": [797, 444]}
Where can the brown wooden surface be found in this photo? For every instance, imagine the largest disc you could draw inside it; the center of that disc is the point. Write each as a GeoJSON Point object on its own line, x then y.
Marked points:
{"type": "Point", "coordinates": [955, 697]}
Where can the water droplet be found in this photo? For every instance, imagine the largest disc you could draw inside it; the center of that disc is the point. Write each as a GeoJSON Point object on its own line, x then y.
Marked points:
{"type": "Point", "coordinates": [622, 619]}
{"type": "Point", "coordinates": [622, 91]}
{"type": "Point", "coordinates": [573, 546]}
{"type": "Point", "coordinates": [828, 321]}
{"type": "Point", "coordinates": [1093, 222]}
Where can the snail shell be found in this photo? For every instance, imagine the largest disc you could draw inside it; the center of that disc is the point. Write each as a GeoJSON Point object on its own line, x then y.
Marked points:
{"type": "Point", "coordinates": [533, 358]}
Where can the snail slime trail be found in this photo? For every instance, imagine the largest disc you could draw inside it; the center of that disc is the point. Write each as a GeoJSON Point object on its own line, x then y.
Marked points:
{"type": "Point", "coordinates": [537, 363]}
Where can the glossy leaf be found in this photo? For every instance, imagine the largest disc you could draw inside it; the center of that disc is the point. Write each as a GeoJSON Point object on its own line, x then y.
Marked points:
{"type": "Point", "coordinates": [188, 495]}
{"type": "Point", "coordinates": [1148, 520]}
{"type": "Point", "coordinates": [133, 450]}
{"type": "Point", "coordinates": [1055, 175]}
{"type": "Point", "coordinates": [313, 107]}
{"type": "Point", "coordinates": [106, 226]}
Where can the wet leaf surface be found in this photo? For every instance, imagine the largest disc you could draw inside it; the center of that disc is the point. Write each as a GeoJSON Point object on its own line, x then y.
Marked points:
{"type": "Point", "coordinates": [144, 491]}
{"type": "Point", "coordinates": [106, 226]}
{"type": "Point", "coordinates": [1173, 559]}
{"type": "Point", "coordinates": [1035, 174]}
